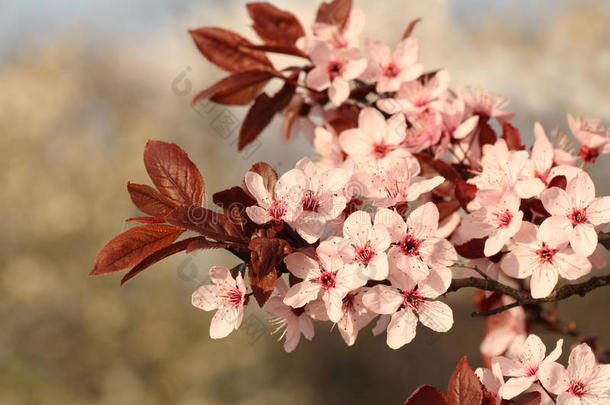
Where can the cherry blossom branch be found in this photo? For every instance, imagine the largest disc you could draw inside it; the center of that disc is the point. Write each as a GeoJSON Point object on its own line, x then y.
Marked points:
{"type": "Point", "coordinates": [524, 298]}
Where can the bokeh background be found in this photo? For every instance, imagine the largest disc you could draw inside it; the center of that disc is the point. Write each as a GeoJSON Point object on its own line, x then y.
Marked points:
{"type": "Point", "coordinates": [84, 84]}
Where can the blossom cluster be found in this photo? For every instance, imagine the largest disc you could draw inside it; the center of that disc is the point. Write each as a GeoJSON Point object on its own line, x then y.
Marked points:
{"type": "Point", "coordinates": [381, 235]}
{"type": "Point", "coordinates": [530, 369]}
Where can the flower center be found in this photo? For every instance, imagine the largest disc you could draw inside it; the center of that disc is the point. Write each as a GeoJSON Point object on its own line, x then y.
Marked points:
{"type": "Point", "coordinates": [311, 202]}
{"type": "Point", "coordinates": [391, 71]}
{"type": "Point", "coordinates": [233, 297]}
{"type": "Point", "coordinates": [381, 150]}
{"type": "Point", "coordinates": [348, 302]}
{"type": "Point", "coordinates": [577, 388]}
{"type": "Point", "coordinates": [411, 299]}
{"type": "Point", "coordinates": [335, 69]}
{"type": "Point", "coordinates": [327, 280]}
{"type": "Point", "coordinates": [588, 154]}
{"type": "Point", "coordinates": [277, 210]}
{"type": "Point", "coordinates": [298, 311]}
{"type": "Point", "coordinates": [365, 253]}
{"type": "Point", "coordinates": [545, 254]}
{"type": "Point", "coordinates": [504, 219]}
{"type": "Point", "coordinates": [578, 217]}
{"type": "Point", "coordinates": [532, 371]}
{"type": "Point", "coordinates": [410, 246]}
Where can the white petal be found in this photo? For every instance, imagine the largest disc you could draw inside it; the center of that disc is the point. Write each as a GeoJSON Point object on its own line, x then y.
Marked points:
{"type": "Point", "coordinates": [382, 299]}
{"type": "Point", "coordinates": [436, 315]}
{"type": "Point", "coordinates": [556, 201]}
{"type": "Point", "coordinates": [584, 239]}
{"type": "Point", "coordinates": [401, 329]}
{"type": "Point", "coordinates": [553, 377]}
{"type": "Point", "coordinates": [544, 279]}
{"type": "Point", "coordinates": [223, 322]}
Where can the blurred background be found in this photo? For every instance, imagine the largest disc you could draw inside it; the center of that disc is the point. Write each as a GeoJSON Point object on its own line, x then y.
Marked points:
{"type": "Point", "coordinates": [84, 85]}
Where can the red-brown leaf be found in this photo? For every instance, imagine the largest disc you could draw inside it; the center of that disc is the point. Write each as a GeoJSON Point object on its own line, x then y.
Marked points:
{"type": "Point", "coordinates": [334, 13]}
{"type": "Point", "coordinates": [342, 118]}
{"type": "Point", "coordinates": [486, 133]}
{"type": "Point", "coordinates": [237, 89]}
{"type": "Point", "coordinates": [148, 200]}
{"type": "Point", "coordinates": [266, 253]}
{"type": "Point", "coordinates": [531, 398]}
{"type": "Point", "coordinates": [283, 49]}
{"type": "Point", "coordinates": [146, 220]}
{"type": "Point", "coordinates": [234, 202]}
{"type": "Point", "coordinates": [559, 181]}
{"type": "Point", "coordinates": [229, 50]}
{"type": "Point", "coordinates": [273, 25]}
{"type": "Point", "coordinates": [156, 257]}
{"type": "Point", "coordinates": [174, 174]}
{"type": "Point", "coordinates": [512, 137]}
{"type": "Point", "coordinates": [464, 386]}
{"type": "Point", "coordinates": [446, 208]}
{"type": "Point", "coordinates": [198, 243]}
{"type": "Point", "coordinates": [431, 167]}
{"type": "Point", "coordinates": [465, 192]}
{"type": "Point", "coordinates": [410, 28]}
{"type": "Point", "coordinates": [262, 286]}
{"type": "Point", "coordinates": [130, 247]}
{"type": "Point", "coordinates": [210, 224]}
{"type": "Point", "coordinates": [426, 395]}
{"type": "Point", "coordinates": [262, 112]}
{"type": "Point", "coordinates": [473, 249]}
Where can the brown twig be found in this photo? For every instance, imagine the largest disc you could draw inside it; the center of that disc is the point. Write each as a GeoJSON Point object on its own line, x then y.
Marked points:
{"type": "Point", "coordinates": [523, 297]}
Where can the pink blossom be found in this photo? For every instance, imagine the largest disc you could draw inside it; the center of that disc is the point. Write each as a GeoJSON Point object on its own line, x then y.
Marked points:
{"type": "Point", "coordinates": [575, 213]}
{"type": "Point", "coordinates": [375, 138]}
{"type": "Point", "coordinates": [322, 200]}
{"type": "Point", "coordinates": [227, 295]}
{"type": "Point", "coordinates": [584, 382]}
{"type": "Point", "coordinates": [393, 181]}
{"type": "Point", "coordinates": [333, 69]}
{"type": "Point", "coordinates": [415, 248]}
{"type": "Point", "coordinates": [498, 220]}
{"type": "Point", "coordinates": [293, 321]}
{"type": "Point", "coordinates": [280, 204]}
{"type": "Point", "coordinates": [355, 316]}
{"type": "Point", "coordinates": [507, 170]}
{"type": "Point", "coordinates": [592, 136]}
{"type": "Point", "coordinates": [389, 69]}
{"type": "Point", "coordinates": [523, 364]}
{"type": "Point", "coordinates": [364, 245]}
{"type": "Point", "coordinates": [545, 156]}
{"type": "Point", "coordinates": [480, 103]}
{"type": "Point", "coordinates": [346, 38]}
{"type": "Point", "coordinates": [328, 278]}
{"type": "Point", "coordinates": [424, 131]}
{"type": "Point", "coordinates": [415, 96]}
{"type": "Point", "coordinates": [544, 261]}
{"type": "Point", "coordinates": [493, 380]}
{"type": "Point", "coordinates": [408, 301]}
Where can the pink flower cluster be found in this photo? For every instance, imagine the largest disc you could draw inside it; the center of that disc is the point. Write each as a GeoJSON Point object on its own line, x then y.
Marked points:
{"type": "Point", "coordinates": [381, 223]}
{"type": "Point", "coordinates": [530, 369]}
